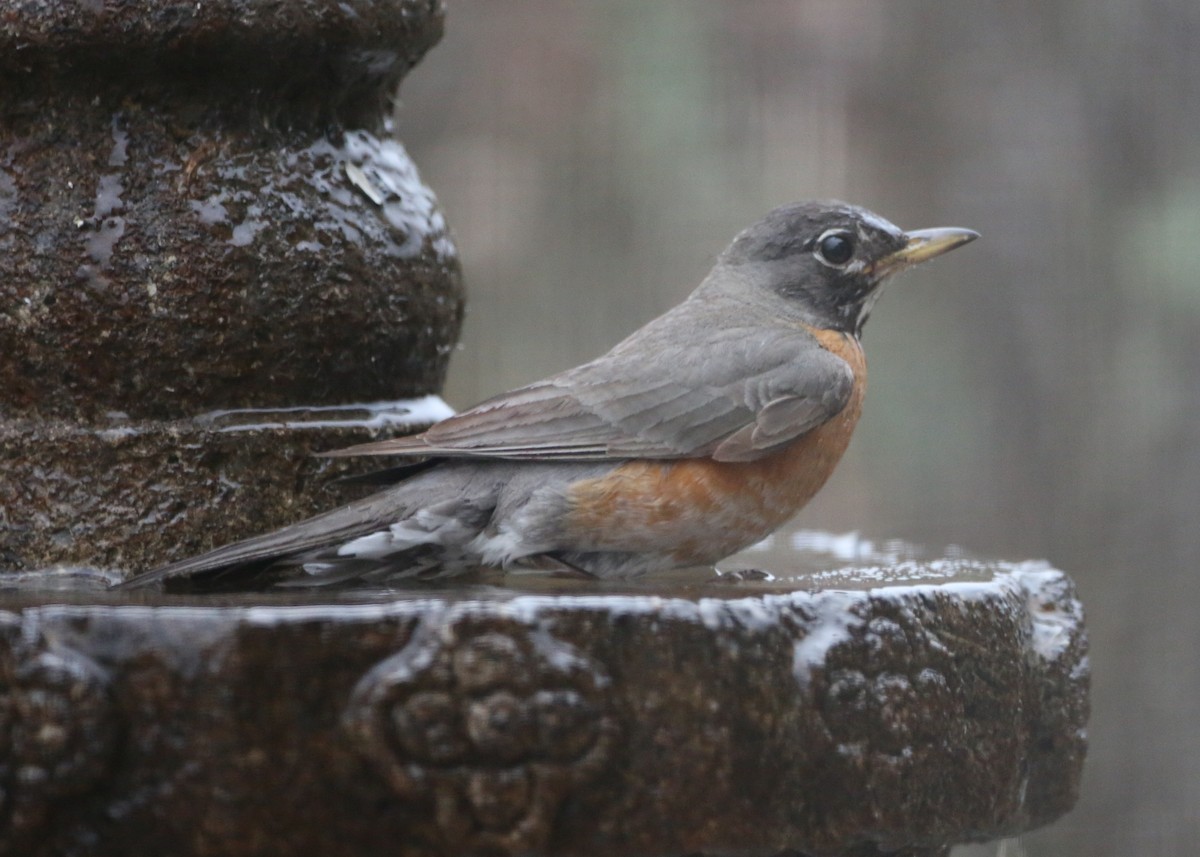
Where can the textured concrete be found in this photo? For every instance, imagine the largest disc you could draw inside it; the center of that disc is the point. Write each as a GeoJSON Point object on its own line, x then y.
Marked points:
{"type": "Point", "coordinates": [202, 209]}
{"type": "Point", "coordinates": [134, 493]}
{"type": "Point", "coordinates": [897, 714]}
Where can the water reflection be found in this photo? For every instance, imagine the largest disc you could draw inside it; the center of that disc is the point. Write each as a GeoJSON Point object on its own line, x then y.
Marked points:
{"type": "Point", "coordinates": [792, 560]}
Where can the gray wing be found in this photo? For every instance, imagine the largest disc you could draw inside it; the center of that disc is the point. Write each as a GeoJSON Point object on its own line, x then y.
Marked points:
{"type": "Point", "coordinates": [675, 389]}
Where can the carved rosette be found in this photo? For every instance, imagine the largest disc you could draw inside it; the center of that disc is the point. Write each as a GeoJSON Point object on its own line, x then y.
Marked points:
{"type": "Point", "coordinates": [56, 729]}
{"type": "Point", "coordinates": [489, 723]}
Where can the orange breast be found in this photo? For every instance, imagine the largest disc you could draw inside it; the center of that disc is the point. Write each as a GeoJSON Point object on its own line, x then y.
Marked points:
{"type": "Point", "coordinates": [703, 510]}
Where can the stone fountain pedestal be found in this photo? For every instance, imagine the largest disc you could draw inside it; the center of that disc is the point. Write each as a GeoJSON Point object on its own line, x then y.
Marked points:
{"type": "Point", "coordinates": [873, 711]}
{"type": "Point", "coordinates": [206, 225]}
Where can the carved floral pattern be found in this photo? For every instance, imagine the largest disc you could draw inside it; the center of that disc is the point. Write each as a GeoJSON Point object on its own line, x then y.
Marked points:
{"type": "Point", "coordinates": [56, 728]}
{"type": "Point", "coordinates": [493, 723]}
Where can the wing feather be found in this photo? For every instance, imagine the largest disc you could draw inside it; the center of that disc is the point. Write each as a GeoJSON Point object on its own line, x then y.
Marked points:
{"type": "Point", "coordinates": [675, 389]}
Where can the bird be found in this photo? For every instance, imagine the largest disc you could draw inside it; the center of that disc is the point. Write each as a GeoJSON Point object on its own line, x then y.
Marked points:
{"type": "Point", "coordinates": [693, 438]}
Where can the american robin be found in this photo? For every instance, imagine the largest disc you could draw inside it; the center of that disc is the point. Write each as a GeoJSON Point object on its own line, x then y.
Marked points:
{"type": "Point", "coordinates": [690, 440]}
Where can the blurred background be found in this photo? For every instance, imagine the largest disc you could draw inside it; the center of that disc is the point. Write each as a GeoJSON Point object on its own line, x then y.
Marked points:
{"type": "Point", "coordinates": [1033, 395]}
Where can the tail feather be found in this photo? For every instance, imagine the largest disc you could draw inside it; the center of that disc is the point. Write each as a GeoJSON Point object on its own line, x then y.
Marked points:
{"type": "Point", "coordinates": [416, 563]}
{"type": "Point", "coordinates": [330, 528]}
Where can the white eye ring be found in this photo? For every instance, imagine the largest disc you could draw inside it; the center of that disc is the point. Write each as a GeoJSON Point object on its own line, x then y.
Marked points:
{"type": "Point", "coordinates": [835, 248]}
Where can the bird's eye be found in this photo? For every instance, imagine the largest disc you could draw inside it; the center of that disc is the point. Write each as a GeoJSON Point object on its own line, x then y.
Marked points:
{"type": "Point", "coordinates": [835, 248]}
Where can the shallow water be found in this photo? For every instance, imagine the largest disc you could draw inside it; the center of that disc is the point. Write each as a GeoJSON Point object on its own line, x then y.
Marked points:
{"type": "Point", "coordinates": [788, 561]}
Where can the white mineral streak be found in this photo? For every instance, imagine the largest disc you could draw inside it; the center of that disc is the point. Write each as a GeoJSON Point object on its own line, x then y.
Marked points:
{"type": "Point", "coordinates": [401, 413]}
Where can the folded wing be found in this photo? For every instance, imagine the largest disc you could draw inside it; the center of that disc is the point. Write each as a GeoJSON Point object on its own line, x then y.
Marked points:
{"type": "Point", "coordinates": [735, 393]}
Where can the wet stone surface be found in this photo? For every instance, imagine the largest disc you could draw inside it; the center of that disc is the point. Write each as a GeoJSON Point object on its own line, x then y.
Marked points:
{"type": "Point", "coordinates": [898, 712]}
{"type": "Point", "coordinates": [136, 493]}
{"type": "Point", "coordinates": [162, 276]}
{"type": "Point", "coordinates": [300, 60]}
{"type": "Point", "coordinates": [161, 254]}
{"type": "Point", "coordinates": [202, 208]}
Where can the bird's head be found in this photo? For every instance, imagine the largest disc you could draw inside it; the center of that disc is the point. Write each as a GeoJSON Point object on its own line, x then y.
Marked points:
{"type": "Point", "coordinates": [831, 258]}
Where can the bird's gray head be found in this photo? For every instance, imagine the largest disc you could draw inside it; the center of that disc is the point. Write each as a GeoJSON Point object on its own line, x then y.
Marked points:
{"type": "Point", "coordinates": [831, 258]}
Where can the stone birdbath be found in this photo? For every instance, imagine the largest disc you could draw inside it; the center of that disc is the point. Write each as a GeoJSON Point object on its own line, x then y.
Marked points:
{"type": "Point", "coordinates": [859, 710]}
{"type": "Point", "coordinates": [210, 242]}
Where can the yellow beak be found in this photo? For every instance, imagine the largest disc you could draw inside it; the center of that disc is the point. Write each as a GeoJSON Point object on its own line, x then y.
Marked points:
{"type": "Point", "coordinates": [923, 244]}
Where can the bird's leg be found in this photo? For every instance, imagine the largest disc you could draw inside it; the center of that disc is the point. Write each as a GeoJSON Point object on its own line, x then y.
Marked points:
{"type": "Point", "coordinates": [561, 568]}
